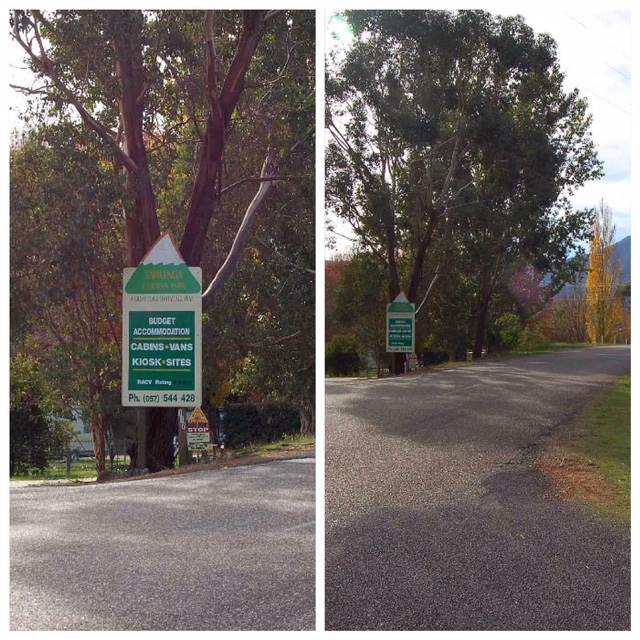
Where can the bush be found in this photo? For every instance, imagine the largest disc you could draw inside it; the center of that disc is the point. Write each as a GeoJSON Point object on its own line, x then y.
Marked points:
{"type": "Point", "coordinates": [532, 338]}
{"type": "Point", "coordinates": [250, 423]}
{"type": "Point", "coordinates": [429, 358]}
{"type": "Point", "coordinates": [342, 357]}
{"type": "Point", "coordinates": [509, 330]}
{"type": "Point", "coordinates": [33, 439]}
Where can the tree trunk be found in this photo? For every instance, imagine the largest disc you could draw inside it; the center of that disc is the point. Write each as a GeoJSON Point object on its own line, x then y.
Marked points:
{"type": "Point", "coordinates": [142, 228]}
{"type": "Point", "coordinates": [307, 417]}
{"type": "Point", "coordinates": [222, 105]}
{"type": "Point", "coordinates": [98, 435]}
{"type": "Point", "coordinates": [162, 426]}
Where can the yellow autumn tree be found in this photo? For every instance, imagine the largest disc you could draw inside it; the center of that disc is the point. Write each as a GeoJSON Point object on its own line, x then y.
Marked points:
{"type": "Point", "coordinates": [604, 311]}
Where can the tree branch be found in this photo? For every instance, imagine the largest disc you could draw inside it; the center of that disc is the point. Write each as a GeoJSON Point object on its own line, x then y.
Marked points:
{"type": "Point", "coordinates": [277, 342]}
{"type": "Point", "coordinates": [284, 258]}
{"type": "Point", "coordinates": [243, 233]}
{"type": "Point", "coordinates": [253, 179]}
{"type": "Point", "coordinates": [47, 68]}
{"type": "Point", "coordinates": [426, 295]}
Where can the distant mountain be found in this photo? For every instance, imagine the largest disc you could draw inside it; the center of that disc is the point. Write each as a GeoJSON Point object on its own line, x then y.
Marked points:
{"type": "Point", "coordinates": [622, 251]}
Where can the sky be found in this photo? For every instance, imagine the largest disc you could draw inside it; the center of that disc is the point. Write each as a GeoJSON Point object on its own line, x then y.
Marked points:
{"type": "Point", "coordinates": [594, 51]}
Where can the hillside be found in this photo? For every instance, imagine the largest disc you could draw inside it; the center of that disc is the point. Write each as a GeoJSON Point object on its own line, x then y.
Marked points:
{"type": "Point", "coordinates": [622, 251]}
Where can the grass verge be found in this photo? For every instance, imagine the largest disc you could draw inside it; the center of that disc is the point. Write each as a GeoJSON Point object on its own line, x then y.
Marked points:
{"type": "Point", "coordinates": [592, 461]}
{"type": "Point", "coordinates": [288, 443]}
{"type": "Point", "coordinates": [80, 470]}
{"type": "Point", "coordinates": [86, 469]}
{"type": "Point", "coordinates": [548, 348]}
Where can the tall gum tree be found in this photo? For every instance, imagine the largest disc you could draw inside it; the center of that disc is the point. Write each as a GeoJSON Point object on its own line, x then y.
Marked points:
{"type": "Point", "coordinates": [141, 80]}
{"type": "Point", "coordinates": [455, 120]}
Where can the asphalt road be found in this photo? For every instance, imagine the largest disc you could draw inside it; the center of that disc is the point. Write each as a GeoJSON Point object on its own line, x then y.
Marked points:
{"type": "Point", "coordinates": [437, 519]}
{"type": "Point", "coordinates": [219, 550]}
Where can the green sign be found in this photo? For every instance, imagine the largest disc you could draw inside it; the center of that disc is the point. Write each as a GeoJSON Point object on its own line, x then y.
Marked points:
{"type": "Point", "coordinates": [159, 278]}
{"type": "Point", "coordinates": [400, 326]}
{"type": "Point", "coordinates": [401, 334]}
{"type": "Point", "coordinates": [161, 330]}
{"type": "Point", "coordinates": [161, 350]}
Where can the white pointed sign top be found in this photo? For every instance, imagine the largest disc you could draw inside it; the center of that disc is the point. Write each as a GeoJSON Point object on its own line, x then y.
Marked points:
{"type": "Point", "coordinates": [401, 298]}
{"type": "Point", "coordinates": [164, 251]}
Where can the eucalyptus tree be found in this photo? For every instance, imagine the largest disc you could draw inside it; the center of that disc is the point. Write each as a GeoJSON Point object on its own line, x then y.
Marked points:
{"type": "Point", "coordinates": [530, 149]}
{"type": "Point", "coordinates": [456, 122]}
{"type": "Point", "coordinates": [357, 300]}
{"type": "Point", "coordinates": [189, 110]}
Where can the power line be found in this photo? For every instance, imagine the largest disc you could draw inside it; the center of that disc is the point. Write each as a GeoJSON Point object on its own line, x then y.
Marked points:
{"type": "Point", "coordinates": [605, 100]}
{"type": "Point", "coordinates": [621, 73]}
{"type": "Point", "coordinates": [584, 26]}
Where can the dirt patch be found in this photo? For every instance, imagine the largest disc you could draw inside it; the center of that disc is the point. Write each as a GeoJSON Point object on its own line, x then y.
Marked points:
{"type": "Point", "coordinates": [574, 478]}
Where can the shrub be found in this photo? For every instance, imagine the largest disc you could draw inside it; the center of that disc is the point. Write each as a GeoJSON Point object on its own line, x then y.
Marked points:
{"type": "Point", "coordinates": [428, 358]}
{"type": "Point", "coordinates": [532, 338]}
{"type": "Point", "coordinates": [34, 440]}
{"type": "Point", "coordinates": [509, 330]}
{"type": "Point", "coordinates": [342, 357]}
{"type": "Point", "coordinates": [250, 423]}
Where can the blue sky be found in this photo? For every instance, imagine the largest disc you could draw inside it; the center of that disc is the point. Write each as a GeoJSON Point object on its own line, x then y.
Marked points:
{"type": "Point", "coordinates": [594, 49]}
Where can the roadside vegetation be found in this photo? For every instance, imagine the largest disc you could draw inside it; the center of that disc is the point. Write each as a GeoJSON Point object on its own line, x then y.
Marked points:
{"type": "Point", "coordinates": [451, 162]}
{"type": "Point", "coordinates": [217, 147]}
{"type": "Point", "coordinates": [548, 347]}
{"type": "Point", "coordinates": [85, 469]}
{"type": "Point", "coordinates": [592, 461]}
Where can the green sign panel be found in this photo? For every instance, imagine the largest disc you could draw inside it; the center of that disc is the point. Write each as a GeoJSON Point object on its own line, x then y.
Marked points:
{"type": "Point", "coordinates": [161, 350]}
{"type": "Point", "coordinates": [401, 326]}
{"type": "Point", "coordinates": [161, 330]}
{"type": "Point", "coordinates": [401, 334]}
{"type": "Point", "coordinates": [159, 278]}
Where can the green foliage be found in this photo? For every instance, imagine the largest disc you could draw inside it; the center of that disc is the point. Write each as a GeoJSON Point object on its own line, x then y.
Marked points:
{"type": "Point", "coordinates": [35, 440]}
{"type": "Point", "coordinates": [28, 439]}
{"type": "Point", "coordinates": [248, 423]}
{"type": "Point", "coordinates": [342, 356]}
{"type": "Point", "coordinates": [355, 302]}
{"type": "Point", "coordinates": [533, 338]}
{"type": "Point", "coordinates": [36, 436]}
{"type": "Point", "coordinates": [456, 147]}
{"type": "Point", "coordinates": [510, 330]}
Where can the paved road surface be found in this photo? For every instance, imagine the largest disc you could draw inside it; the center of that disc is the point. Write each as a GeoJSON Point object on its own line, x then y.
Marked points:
{"type": "Point", "coordinates": [229, 549]}
{"type": "Point", "coordinates": [435, 516]}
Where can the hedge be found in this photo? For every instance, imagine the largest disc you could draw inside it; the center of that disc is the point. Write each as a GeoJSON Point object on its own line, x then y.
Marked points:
{"type": "Point", "coordinates": [251, 423]}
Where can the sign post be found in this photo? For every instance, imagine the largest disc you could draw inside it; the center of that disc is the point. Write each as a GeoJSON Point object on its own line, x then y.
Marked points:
{"type": "Point", "coordinates": [162, 330]}
{"type": "Point", "coordinates": [401, 325]}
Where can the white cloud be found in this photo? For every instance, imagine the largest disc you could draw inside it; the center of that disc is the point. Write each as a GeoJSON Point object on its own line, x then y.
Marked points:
{"type": "Point", "coordinates": [594, 50]}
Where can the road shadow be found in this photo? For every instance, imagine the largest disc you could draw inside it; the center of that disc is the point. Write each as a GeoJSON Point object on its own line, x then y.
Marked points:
{"type": "Point", "coordinates": [517, 559]}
